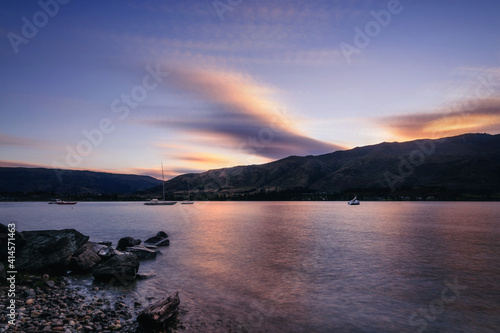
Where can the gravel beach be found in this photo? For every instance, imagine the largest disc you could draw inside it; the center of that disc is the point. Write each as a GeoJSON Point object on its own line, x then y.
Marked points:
{"type": "Point", "coordinates": [53, 305]}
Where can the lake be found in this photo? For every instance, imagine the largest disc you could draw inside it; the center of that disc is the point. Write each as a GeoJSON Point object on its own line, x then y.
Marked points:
{"type": "Point", "coordinates": [306, 266]}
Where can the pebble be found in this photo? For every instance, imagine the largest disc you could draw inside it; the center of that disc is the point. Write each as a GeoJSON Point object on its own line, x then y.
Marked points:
{"type": "Point", "coordinates": [53, 306]}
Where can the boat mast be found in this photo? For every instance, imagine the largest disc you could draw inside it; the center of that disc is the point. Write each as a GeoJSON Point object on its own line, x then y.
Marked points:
{"type": "Point", "coordinates": [163, 181]}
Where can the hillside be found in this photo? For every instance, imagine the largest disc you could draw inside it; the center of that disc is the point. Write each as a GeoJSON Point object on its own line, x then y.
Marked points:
{"type": "Point", "coordinates": [469, 162]}
{"type": "Point", "coordinates": [465, 164]}
{"type": "Point", "coordinates": [74, 182]}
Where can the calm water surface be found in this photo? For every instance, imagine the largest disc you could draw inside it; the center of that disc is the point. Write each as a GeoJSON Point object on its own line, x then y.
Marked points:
{"type": "Point", "coordinates": [307, 266]}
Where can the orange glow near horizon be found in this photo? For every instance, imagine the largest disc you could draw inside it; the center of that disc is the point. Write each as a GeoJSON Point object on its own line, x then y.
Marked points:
{"type": "Point", "coordinates": [459, 124]}
{"type": "Point", "coordinates": [485, 118]}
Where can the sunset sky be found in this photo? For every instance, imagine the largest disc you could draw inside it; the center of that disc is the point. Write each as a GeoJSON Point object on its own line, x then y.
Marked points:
{"type": "Point", "coordinates": [121, 86]}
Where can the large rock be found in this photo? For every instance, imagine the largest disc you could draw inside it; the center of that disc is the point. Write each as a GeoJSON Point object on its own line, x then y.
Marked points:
{"type": "Point", "coordinates": [85, 258]}
{"type": "Point", "coordinates": [48, 250]}
{"type": "Point", "coordinates": [142, 252]}
{"type": "Point", "coordinates": [106, 252]}
{"type": "Point", "coordinates": [161, 239]}
{"type": "Point", "coordinates": [121, 267]}
{"type": "Point", "coordinates": [163, 242]}
{"type": "Point", "coordinates": [144, 276]}
{"type": "Point", "coordinates": [160, 315]}
{"type": "Point", "coordinates": [162, 234]}
{"type": "Point", "coordinates": [125, 242]}
{"type": "Point", "coordinates": [157, 241]}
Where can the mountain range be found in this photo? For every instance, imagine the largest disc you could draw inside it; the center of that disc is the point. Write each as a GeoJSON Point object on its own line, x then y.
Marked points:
{"type": "Point", "coordinates": [71, 182]}
{"type": "Point", "coordinates": [466, 163]}
{"type": "Point", "coordinates": [469, 162]}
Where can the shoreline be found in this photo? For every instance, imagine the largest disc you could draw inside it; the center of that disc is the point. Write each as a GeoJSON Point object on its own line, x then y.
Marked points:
{"type": "Point", "coordinates": [302, 200]}
{"type": "Point", "coordinates": [89, 288]}
{"type": "Point", "coordinates": [55, 304]}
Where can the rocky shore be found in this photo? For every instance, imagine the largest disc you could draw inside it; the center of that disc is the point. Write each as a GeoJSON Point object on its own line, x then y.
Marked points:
{"type": "Point", "coordinates": [45, 304]}
{"type": "Point", "coordinates": [42, 298]}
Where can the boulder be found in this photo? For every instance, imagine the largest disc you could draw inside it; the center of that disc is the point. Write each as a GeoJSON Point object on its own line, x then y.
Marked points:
{"type": "Point", "coordinates": [142, 252]}
{"type": "Point", "coordinates": [163, 242]}
{"type": "Point", "coordinates": [156, 241]}
{"type": "Point", "coordinates": [48, 250]}
{"type": "Point", "coordinates": [144, 276]}
{"type": "Point", "coordinates": [122, 267]}
{"type": "Point", "coordinates": [85, 258]}
{"type": "Point", "coordinates": [161, 239]}
{"type": "Point", "coordinates": [106, 252]}
{"type": "Point", "coordinates": [125, 242]}
{"type": "Point", "coordinates": [161, 234]}
{"type": "Point", "coordinates": [160, 315]}
{"type": "Point", "coordinates": [152, 240]}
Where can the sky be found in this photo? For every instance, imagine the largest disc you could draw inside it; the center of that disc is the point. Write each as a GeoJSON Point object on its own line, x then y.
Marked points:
{"type": "Point", "coordinates": [123, 86]}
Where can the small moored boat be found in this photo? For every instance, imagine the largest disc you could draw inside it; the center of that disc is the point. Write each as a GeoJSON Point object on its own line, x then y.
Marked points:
{"type": "Point", "coordinates": [61, 202]}
{"type": "Point", "coordinates": [156, 202]}
{"type": "Point", "coordinates": [354, 202]}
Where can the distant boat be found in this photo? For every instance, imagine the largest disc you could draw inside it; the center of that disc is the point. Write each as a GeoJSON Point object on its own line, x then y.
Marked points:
{"type": "Point", "coordinates": [156, 202]}
{"type": "Point", "coordinates": [187, 202]}
{"type": "Point", "coordinates": [354, 202]}
{"type": "Point", "coordinates": [61, 202]}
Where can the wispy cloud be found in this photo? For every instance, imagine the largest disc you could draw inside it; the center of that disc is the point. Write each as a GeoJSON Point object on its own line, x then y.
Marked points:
{"type": "Point", "coordinates": [268, 33]}
{"type": "Point", "coordinates": [254, 45]}
{"type": "Point", "coordinates": [18, 164]}
{"type": "Point", "coordinates": [472, 116]}
{"type": "Point", "coordinates": [12, 140]}
{"type": "Point", "coordinates": [168, 172]}
{"type": "Point", "coordinates": [310, 13]}
{"type": "Point", "coordinates": [202, 158]}
{"type": "Point", "coordinates": [241, 115]}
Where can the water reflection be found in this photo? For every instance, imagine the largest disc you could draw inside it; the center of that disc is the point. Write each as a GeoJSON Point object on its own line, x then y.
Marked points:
{"type": "Point", "coordinates": [307, 266]}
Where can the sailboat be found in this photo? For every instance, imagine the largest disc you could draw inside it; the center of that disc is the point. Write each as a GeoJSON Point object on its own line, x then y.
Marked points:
{"type": "Point", "coordinates": [187, 202]}
{"type": "Point", "coordinates": [61, 202]}
{"type": "Point", "coordinates": [354, 201]}
{"type": "Point", "coordinates": [156, 202]}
